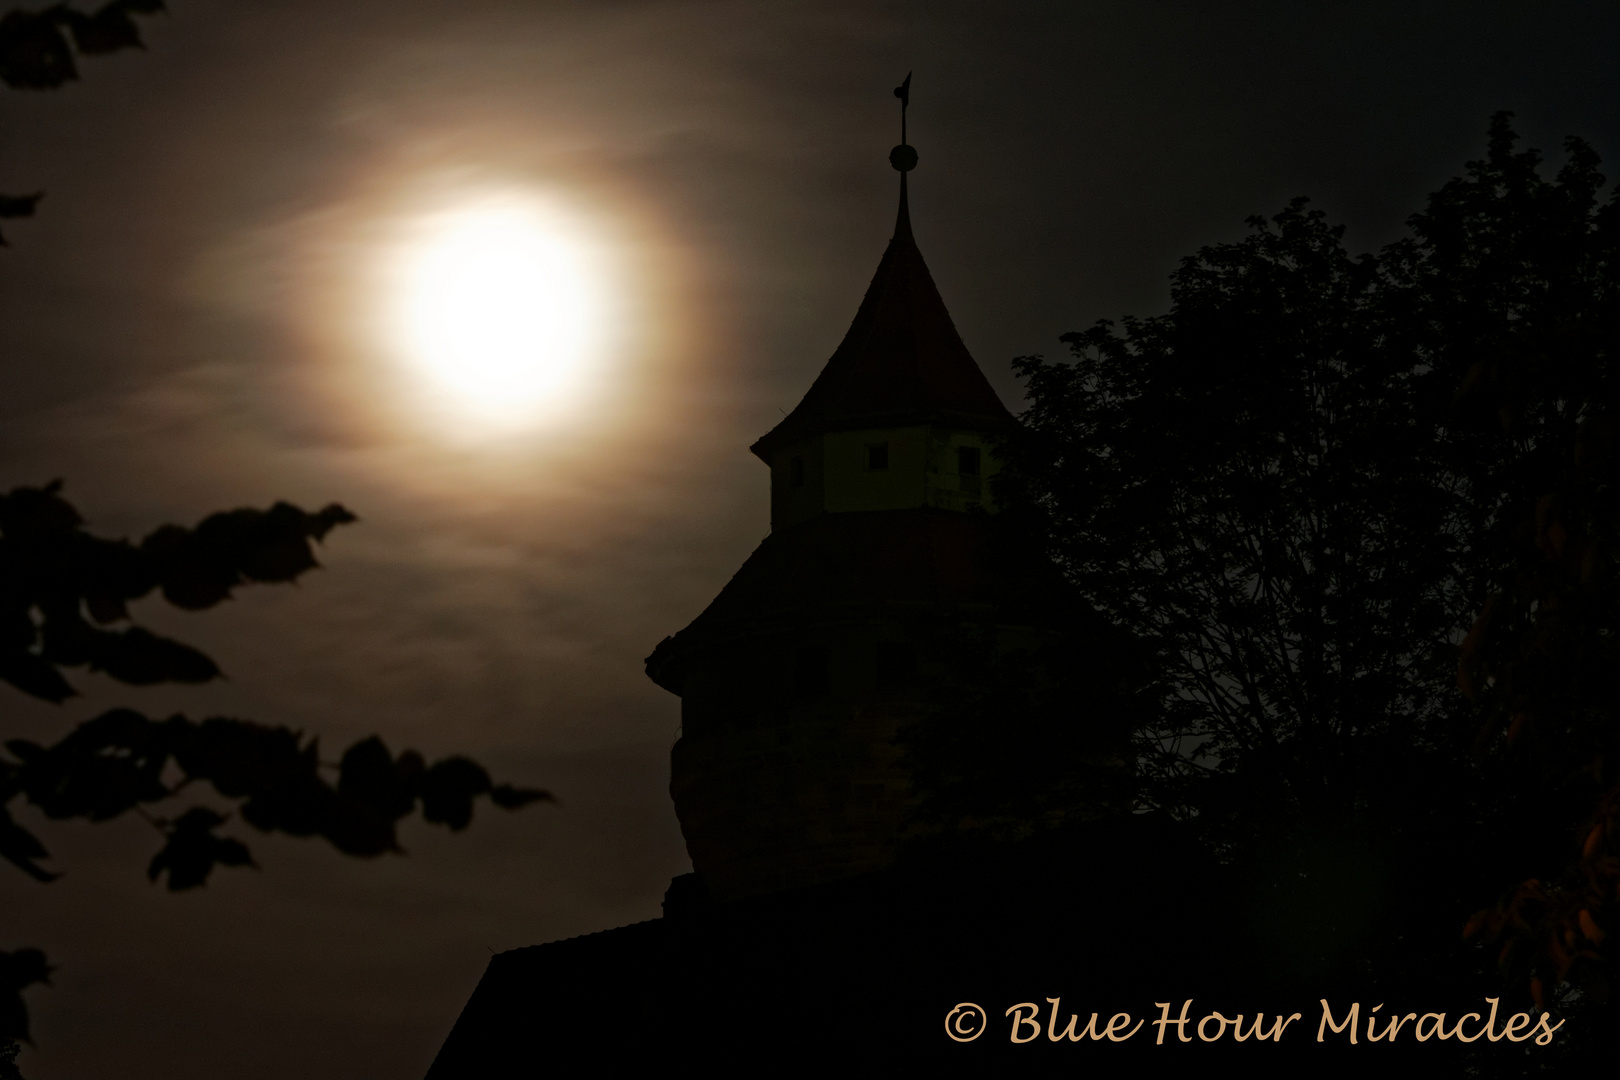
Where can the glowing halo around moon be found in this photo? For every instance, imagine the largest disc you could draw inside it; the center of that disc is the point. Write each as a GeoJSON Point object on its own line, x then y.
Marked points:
{"type": "Point", "coordinates": [498, 306]}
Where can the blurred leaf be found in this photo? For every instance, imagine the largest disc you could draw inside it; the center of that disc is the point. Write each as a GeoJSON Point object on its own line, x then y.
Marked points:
{"type": "Point", "coordinates": [199, 568]}
{"type": "Point", "coordinates": [448, 790]}
{"type": "Point", "coordinates": [108, 30]}
{"type": "Point", "coordinates": [34, 675]}
{"type": "Point", "coordinates": [369, 774]}
{"type": "Point", "coordinates": [18, 206]}
{"type": "Point", "coordinates": [100, 770]}
{"type": "Point", "coordinates": [508, 797]}
{"type": "Point", "coordinates": [18, 971]}
{"type": "Point", "coordinates": [141, 658]}
{"type": "Point", "coordinates": [20, 848]}
{"type": "Point", "coordinates": [34, 54]}
{"type": "Point", "coordinates": [52, 574]}
{"type": "Point", "coordinates": [9, 1051]}
{"type": "Point", "coordinates": [193, 850]}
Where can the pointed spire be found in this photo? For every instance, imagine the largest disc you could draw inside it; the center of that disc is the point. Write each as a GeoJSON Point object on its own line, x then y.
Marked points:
{"type": "Point", "coordinates": [902, 361]}
{"type": "Point", "coordinates": [902, 222]}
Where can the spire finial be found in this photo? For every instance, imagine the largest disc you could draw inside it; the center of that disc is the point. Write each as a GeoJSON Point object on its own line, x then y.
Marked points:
{"type": "Point", "coordinates": [903, 157]}
{"type": "Point", "coordinates": [903, 92]}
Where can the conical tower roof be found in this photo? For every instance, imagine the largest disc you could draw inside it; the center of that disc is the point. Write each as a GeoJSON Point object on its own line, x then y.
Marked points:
{"type": "Point", "coordinates": [902, 361]}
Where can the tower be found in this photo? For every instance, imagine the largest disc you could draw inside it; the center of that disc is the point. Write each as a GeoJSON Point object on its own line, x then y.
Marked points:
{"type": "Point", "coordinates": [893, 621]}
{"type": "Point", "coordinates": [885, 561]}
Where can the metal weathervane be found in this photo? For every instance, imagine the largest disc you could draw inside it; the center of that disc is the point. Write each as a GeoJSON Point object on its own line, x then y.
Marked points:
{"type": "Point", "coordinates": [903, 157]}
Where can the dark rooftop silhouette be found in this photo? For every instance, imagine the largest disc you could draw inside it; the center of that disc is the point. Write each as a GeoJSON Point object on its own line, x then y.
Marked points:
{"type": "Point", "coordinates": [902, 361]}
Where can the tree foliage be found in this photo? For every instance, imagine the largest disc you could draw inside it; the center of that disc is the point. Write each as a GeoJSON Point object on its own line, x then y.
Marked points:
{"type": "Point", "coordinates": [1019, 738]}
{"type": "Point", "coordinates": [1317, 486]}
{"type": "Point", "coordinates": [64, 604]}
{"type": "Point", "coordinates": [37, 51]}
{"type": "Point", "coordinates": [1513, 287]}
{"type": "Point", "coordinates": [37, 47]}
{"type": "Point", "coordinates": [1235, 482]}
{"type": "Point", "coordinates": [64, 597]}
{"type": "Point", "coordinates": [60, 586]}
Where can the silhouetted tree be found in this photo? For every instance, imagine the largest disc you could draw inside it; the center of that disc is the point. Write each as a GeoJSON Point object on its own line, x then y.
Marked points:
{"type": "Point", "coordinates": [1018, 741]}
{"type": "Point", "coordinates": [1302, 486]}
{"type": "Point", "coordinates": [1511, 287]}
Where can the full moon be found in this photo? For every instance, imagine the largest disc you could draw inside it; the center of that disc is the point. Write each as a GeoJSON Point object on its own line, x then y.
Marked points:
{"type": "Point", "coordinates": [498, 308]}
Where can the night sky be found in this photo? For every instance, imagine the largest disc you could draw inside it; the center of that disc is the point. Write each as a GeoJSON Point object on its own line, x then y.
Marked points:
{"type": "Point", "coordinates": [191, 324]}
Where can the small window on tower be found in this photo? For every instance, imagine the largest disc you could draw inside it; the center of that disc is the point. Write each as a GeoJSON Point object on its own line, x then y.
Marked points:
{"type": "Point", "coordinates": [796, 472]}
{"type": "Point", "coordinates": [877, 457]}
{"type": "Point", "coordinates": [967, 460]}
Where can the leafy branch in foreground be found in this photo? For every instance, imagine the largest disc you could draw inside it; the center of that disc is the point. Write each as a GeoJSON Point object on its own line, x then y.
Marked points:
{"type": "Point", "coordinates": [116, 762]}
{"type": "Point", "coordinates": [37, 49]}
{"type": "Point", "coordinates": [59, 586]}
{"type": "Point", "coordinates": [64, 603]}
